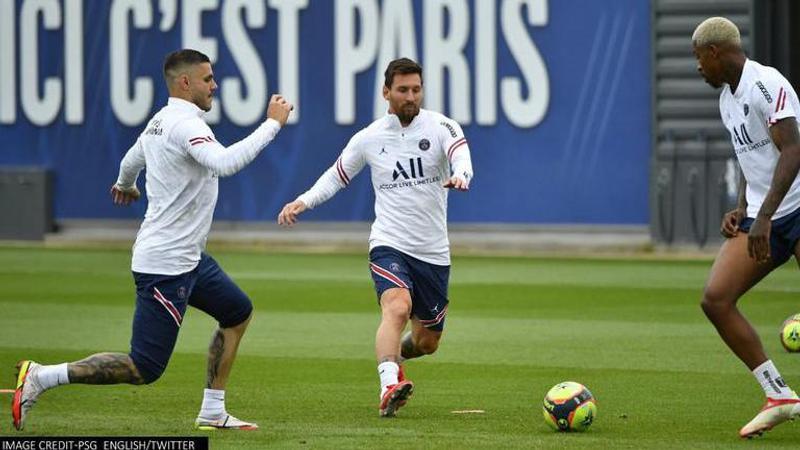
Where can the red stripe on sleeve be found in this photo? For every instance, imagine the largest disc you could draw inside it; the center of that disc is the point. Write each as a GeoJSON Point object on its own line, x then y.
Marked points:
{"type": "Point", "coordinates": [781, 93]}
{"type": "Point", "coordinates": [342, 174]}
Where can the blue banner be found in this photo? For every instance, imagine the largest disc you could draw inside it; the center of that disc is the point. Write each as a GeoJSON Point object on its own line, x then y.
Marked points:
{"type": "Point", "coordinates": [554, 96]}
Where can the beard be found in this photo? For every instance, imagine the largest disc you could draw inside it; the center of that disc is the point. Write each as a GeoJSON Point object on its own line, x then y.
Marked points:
{"type": "Point", "coordinates": [407, 112]}
{"type": "Point", "coordinates": [204, 102]}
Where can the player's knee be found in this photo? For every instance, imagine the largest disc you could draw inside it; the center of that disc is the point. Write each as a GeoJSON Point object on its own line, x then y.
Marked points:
{"type": "Point", "coordinates": [239, 317]}
{"type": "Point", "coordinates": [148, 372]}
{"type": "Point", "coordinates": [396, 307]}
{"type": "Point", "coordinates": [715, 300]}
{"type": "Point", "coordinates": [427, 345]}
{"type": "Point", "coordinates": [239, 326]}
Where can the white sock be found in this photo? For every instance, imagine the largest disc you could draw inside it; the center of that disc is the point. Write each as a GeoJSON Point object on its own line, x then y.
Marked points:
{"type": "Point", "coordinates": [388, 372]}
{"type": "Point", "coordinates": [52, 376]}
{"type": "Point", "coordinates": [772, 382]}
{"type": "Point", "coordinates": [213, 404]}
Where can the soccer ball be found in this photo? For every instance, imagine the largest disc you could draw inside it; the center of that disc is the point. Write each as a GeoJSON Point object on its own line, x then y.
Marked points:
{"type": "Point", "coordinates": [790, 334]}
{"type": "Point", "coordinates": [569, 406]}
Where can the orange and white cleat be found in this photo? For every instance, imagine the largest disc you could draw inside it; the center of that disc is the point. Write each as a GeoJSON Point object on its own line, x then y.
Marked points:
{"type": "Point", "coordinates": [775, 412]}
{"type": "Point", "coordinates": [27, 392]}
{"type": "Point", "coordinates": [396, 395]}
{"type": "Point", "coordinates": [224, 422]}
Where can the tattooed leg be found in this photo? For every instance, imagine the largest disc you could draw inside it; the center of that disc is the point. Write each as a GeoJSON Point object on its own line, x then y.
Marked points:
{"type": "Point", "coordinates": [222, 352]}
{"type": "Point", "coordinates": [407, 348]}
{"type": "Point", "coordinates": [104, 368]}
{"type": "Point", "coordinates": [419, 341]}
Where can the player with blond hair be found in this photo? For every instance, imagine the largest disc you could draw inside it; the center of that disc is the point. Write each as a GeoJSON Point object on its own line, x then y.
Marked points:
{"type": "Point", "coordinates": [759, 109]}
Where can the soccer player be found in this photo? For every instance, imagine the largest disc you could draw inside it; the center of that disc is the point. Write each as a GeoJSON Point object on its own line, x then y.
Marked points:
{"type": "Point", "coordinates": [170, 268]}
{"type": "Point", "coordinates": [415, 155]}
{"type": "Point", "coordinates": [759, 109]}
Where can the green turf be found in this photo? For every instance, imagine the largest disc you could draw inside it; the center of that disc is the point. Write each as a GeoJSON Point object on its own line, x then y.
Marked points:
{"type": "Point", "coordinates": [631, 330]}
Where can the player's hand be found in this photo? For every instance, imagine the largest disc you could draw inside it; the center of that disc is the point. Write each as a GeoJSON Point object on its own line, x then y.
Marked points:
{"type": "Point", "coordinates": [758, 239]}
{"type": "Point", "coordinates": [289, 213]}
{"type": "Point", "coordinates": [457, 183]}
{"type": "Point", "coordinates": [279, 109]}
{"type": "Point", "coordinates": [124, 197]}
{"type": "Point", "coordinates": [730, 223]}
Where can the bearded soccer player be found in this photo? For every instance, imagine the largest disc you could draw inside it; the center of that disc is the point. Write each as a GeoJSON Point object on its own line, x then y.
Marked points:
{"type": "Point", "coordinates": [170, 268]}
{"type": "Point", "coordinates": [415, 156]}
{"type": "Point", "coordinates": [759, 109]}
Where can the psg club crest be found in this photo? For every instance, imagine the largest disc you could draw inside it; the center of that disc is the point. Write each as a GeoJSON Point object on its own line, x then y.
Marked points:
{"type": "Point", "coordinates": [182, 292]}
{"type": "Point", "coordinates": [394, 267]}
{"type": "Point", "coordinates": [746, 109]}
{"type": "Point", "coordinates": [424, 144]}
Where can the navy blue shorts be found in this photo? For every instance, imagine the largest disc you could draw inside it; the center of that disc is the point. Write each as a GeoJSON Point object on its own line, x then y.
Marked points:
{"type": "Point", "coordinates": [426, 282]}
{"type": "Point", "coordinates": [161, 302]}
{"type": "Point", "coordinates": [783, 236]}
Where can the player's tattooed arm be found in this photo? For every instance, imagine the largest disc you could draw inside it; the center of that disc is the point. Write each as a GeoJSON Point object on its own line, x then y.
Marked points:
{"type": "Point", "coordinates": [215, 353]}
{"type": "Point", "coordinates": [787, 138]}
{"type": "Point", "coordinates": [104, 368]}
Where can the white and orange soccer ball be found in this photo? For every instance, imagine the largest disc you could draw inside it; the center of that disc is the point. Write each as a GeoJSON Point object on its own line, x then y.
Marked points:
{"type": "Point", "coordinates": [790, 334]}
{"type": "Point", "coordinates": [569, 406]}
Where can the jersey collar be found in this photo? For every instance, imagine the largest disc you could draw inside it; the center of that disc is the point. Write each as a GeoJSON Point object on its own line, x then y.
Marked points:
{"type": "Point", "coordinates": [747, 71]}
{"type": "Point", "coordinates": [393, 122]}
{"type": "Point", "coordinates": [185, 105]}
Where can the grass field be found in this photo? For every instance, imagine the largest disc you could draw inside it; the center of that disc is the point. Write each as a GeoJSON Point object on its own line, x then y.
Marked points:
{"type": "Point", "coordinates": [631, 330]}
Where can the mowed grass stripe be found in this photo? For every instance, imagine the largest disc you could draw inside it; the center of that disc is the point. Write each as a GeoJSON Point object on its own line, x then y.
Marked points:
{"type": "Point", "coordinates": [298, 407]}
{"type": "Point", "coordinates": [579, 343]}
{"type": "Point", "coordinates": [649, 274]}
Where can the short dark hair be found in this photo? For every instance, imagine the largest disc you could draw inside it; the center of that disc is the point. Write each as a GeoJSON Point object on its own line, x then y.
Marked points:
{"type": "Point", "coordinates": [180, 59]}
{"type": "Point", "coordinates": [402, 66]}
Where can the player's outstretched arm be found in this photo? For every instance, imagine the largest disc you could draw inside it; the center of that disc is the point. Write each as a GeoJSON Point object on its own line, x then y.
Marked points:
{"type": "Point", "coordinates": [289, 213]}
{"type": "Point", "coordinates": [197, 138]}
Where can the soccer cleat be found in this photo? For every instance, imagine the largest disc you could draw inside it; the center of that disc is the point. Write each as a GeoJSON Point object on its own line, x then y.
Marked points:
{"type": "Point", "coordinates": [774, 412]}
{"type": "Point", "coordinates": [27, 392]}
{"type": "Point", "coordinates": [224, 422]}
{"type": "Point", "coordinates": [395, 396]}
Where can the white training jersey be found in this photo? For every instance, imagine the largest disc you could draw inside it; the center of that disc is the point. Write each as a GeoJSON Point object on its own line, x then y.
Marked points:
{"type": "Point", "coordinates": [762, 98]}
{"type": "Point", "coordinates": [409, 166]}
{"type": "Point", "coordinates": [183, 160]}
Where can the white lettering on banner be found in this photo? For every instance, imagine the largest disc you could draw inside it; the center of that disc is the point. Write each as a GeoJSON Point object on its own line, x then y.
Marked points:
{"type": "Point", "coordinates": [169, 13]}
{"type": "Point", "coordinates": [352, 58]}
{"type": "Point", "coordinates": [240, 109]}
{"type": "Point", "coordinates": [485, 62]}
{"type": "Point", "coordinates": [192, 37]}
{"type": "Point", "coordinates": [289, 51]}
{"type": "Point", "coordinates": [397, 39]}
{"type": "Point", "coordinates": [8, 63]}
{"type": "Point", "coordinates": [522, 112]}
{"type": "Point", "coordinates": [447, 70]}
{"type": "Point", "coordinates": [39, 109]}
{"type": "Point", "coordinates": [367, 35]}
{"type": "Point", "coordinates": [73, 61]}
{"type": "Point", "coordinates": [447, 52]}
{"type": "Point", "coordinates": [131, 109]}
